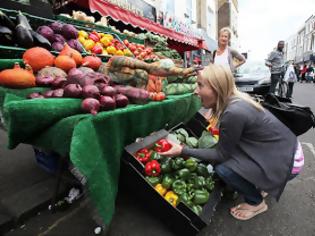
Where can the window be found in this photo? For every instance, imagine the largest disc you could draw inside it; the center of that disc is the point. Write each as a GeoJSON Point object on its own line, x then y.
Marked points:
{"type": "Point", "coordinates": [210, 19]}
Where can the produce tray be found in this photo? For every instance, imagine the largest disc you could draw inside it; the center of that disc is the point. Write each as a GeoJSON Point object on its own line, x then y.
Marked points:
{"type": "Point", "coordinates": [180, 218]}
{"type": "Point", "coordinates": [93, 26]}
{"type": "Point", "coordinates": [9, 63]}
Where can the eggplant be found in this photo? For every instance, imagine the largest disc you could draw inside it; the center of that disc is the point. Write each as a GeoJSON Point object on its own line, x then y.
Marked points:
{"type": "Point", "coordinates": [6, 21]}
{"type": "Point", "coordinates": [6, 36]}
{"type": "Point", "coordinates": [22, 20]}
{"type": "Point", "coordinates": [40, 40]}
{"type": "Point", "coordinates": [23, 36]}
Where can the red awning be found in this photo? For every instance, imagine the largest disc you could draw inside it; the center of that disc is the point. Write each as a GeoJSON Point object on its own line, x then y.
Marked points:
{"type": "Point", "coordinates": [108, 9]}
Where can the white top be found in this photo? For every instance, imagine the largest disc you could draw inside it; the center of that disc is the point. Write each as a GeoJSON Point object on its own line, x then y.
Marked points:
{"type": "Point", "coordinates": [222, 59]}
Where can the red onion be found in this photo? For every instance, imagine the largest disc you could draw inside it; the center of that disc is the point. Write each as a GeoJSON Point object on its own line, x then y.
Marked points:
{"type": "Point", "coordinates": [56, 27]}
{"type": "Point", "coordinates": [85, 70]}
{"type": "Point", "coordinates": [108, 91]}
{"type": "Point", "coordinates": [73, 91]}
{"type": "Point", "coordinates": [121, 100]}
{"type": "Point", "coordinates": [44, 80]}
{"type": "Point", "coordinates": [34, 95]}
{"type": "Point", "coordinates": [48, 93]}
{"type": "Point", "coordinates": [75, 76]}
{"type": "Point", "coordinates": [91, 91]}
{"type": "Point", "coordinates": [58, 82]}
{"type": "Point", "coordinates": [58, 93]}
{"type": "Point", "coordinates": [91, 105]}
{"type": "Point", "coordinates": [107, 103]}
{"type": "Point", "coordinates": [100, 86]}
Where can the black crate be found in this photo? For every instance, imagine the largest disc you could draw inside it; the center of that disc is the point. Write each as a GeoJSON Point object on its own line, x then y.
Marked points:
{"type": "Point", "coordinates": [181, 219]}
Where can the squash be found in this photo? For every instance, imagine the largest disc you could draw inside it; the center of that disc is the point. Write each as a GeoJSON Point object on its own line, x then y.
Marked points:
{"type": "Point", "coordinates": [65, 63]}
{"type": "Point", "coordinates": [17, 77]}
{"type": "Point", "coordinates": [74, 54]}
{"type": "Point", "coordinates": [38, 58]}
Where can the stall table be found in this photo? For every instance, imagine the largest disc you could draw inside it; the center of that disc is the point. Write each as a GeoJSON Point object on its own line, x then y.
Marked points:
{"type": "Point", "coordinates": [95, 144]}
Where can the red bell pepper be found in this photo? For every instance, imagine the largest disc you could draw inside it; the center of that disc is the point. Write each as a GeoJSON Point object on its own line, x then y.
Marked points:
{"type": "Point", "coordinates": [152, 168]}
{"type": "Point", "coordinates": [162, 145]}
{"type": "Point", "coordinates": [143, 155]}
{"type": "Point", "coordinates": [94, 36]}
{"type": "Point", "coordinates": [214, 130]}
{"type": "Point", "coordinates": [97, 49]}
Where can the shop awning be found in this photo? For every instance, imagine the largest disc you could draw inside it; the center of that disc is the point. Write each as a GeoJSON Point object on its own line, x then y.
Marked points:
{"type": "Point", "coordinates": [106, 8]}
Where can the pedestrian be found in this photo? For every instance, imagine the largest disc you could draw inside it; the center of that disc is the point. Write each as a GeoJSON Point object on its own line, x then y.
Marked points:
{"type": "Point", "coordinates": [225, 55]}
{"type": "Point", "coordinates": [291, 78]}
{"type": "Point", "coordinates": [309, 75]}
{"type": "Point", "coordinates": [275, 62]}
{"type": "Point", "coordinates": [303, 73]}
{"type": "Point", "coordinates": [297, 71]}
{"type": "Point", "coordinates": [255, 151]}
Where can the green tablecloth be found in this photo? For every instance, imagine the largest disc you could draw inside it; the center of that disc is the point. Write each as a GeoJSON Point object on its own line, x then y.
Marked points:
{"type": "Point", "coordinates": [94, 143]}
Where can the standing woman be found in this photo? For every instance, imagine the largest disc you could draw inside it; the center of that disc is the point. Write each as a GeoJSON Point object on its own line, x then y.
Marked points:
{"type": "Point", "coordinates": [225, 55]}
{"type": "Point", "coordinates": [255, 151]}
{"type": "Point", "coordinates": [291, 78]}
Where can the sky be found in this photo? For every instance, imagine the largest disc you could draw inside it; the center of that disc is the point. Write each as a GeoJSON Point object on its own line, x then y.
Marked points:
{"type": "Point", "coordinates": [262, 23]}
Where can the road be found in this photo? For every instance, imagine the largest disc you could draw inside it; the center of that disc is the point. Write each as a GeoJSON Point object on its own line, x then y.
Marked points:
{"type": "Point", "coordinates": [292, 215]}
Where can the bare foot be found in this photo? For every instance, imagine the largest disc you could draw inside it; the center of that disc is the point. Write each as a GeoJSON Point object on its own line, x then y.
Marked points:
{"type": "Point", "coordinates": [248, 211]}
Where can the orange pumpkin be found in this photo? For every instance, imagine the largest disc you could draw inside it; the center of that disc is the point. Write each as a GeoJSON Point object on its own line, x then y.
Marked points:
{"type": "Point", "coordinates": [17, 77]}
{"type": "Point", "coordinates": [74, 54]}
{"type": "Point", "coordinates": [38, 58]}
{"type": "Point", "coordinates": [65, 63]}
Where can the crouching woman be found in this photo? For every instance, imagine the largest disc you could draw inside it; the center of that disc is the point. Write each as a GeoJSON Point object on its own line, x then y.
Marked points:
{"type": "Point", "coordinates": [256, 153]}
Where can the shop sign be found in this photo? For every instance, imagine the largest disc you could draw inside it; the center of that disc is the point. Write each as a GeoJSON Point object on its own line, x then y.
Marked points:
{"type": "Point", "coordinates": [139, 7]}
{"type": "Point", "coordinates": [178, 25]}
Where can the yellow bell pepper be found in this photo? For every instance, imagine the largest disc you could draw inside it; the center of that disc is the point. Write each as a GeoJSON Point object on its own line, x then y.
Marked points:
{"type": "Point", "coordinates": [104, 52]}
{"type": "Point", "coordinates": [171, 197]}
{"type": "Point", "coordinates": [105, 41]}
{"type": "Point", "coordinates": [83, 34]}
{"type": "Point", "coordinates": [127, 52]}
{"type": "Point", "coordinates": [109, 36]}
{"type": "Point", "coordinates": [81, 39]}
{"type": "Point", "coordinates": [119, 53]}
{"type": "Point", "coordinates": [88, 44]}
{"type": "Point", "coordinates": [160, 189]}
{"type": "Point", "coordinates": [111, 50]}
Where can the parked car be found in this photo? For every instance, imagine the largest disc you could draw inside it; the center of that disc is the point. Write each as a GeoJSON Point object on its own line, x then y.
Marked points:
{"type": "Point", "coordinates": [253, 77]}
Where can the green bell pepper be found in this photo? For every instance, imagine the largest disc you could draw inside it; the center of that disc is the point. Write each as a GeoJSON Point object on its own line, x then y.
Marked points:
{"type": "Point", "coordinates": [156, 156]}
{"type": "Point", "coordinates": [186, 198]}
{"type": "Point", "coordinates": [209, 184]}
{"type": "Point", "coordinates": [200, 196]}
{"type": "Point", "coordinates": [153, 180]}
{"type": "Point", "coordinates": [178, 163]}
{"type": "Point", "coordinates": [197, 209]}
{"type": "Point", "coordinates": [202, 170]}
{"type": "Point", "coordinates": [179, 187]}
{"type": "Point", "coordinates": [183, 174]}
{"type": "Point", "coordinates": [199, 182]}
{"type": "Point", "coordinates": [191, 164]}
{"type": "Point", "coordinates": [166, 165]}
{"type": "Point", "coordinates": [167, 181]}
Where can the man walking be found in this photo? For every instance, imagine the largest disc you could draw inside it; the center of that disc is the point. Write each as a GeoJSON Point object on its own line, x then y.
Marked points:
{"type": "Point", "coordinates": [275, 62]}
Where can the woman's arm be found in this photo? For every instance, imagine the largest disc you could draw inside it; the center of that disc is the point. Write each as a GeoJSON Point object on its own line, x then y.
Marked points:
{"type": "Point", "coordinates": [241, 59]}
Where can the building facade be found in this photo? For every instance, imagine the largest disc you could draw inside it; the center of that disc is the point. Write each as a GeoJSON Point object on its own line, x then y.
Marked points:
{"type": "Point", "coordinates": [300, 47]}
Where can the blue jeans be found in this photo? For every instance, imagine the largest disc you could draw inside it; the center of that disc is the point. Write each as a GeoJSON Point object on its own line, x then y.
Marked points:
{"type": "Point", "coordinates": [252, 195]}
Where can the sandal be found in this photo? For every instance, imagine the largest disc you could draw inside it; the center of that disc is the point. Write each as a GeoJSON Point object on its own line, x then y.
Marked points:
{"type": "Point", "coordinates": [246, 214]}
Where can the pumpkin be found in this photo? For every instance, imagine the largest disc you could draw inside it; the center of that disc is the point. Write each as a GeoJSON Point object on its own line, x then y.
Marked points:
{"type": "Point", "coordinates": [65, 63]}
{"type": "Point", "coordinates": [74, 54]}
{"type": "Point", "coordinates": [38, 58]}
{"type": "Point", "coordinates": [17, 77]}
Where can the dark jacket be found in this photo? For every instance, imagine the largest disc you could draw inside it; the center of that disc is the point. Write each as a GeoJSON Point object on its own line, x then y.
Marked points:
{"type": "Point", "coordinates": [255, 145]}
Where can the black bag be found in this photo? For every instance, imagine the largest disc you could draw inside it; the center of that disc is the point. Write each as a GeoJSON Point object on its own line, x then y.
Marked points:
{"type": "Point", "coordinates": [297, 118]}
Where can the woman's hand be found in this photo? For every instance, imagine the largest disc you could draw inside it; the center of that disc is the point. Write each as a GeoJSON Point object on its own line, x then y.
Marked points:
{"type": "Point", "coordinates": [176, 150]}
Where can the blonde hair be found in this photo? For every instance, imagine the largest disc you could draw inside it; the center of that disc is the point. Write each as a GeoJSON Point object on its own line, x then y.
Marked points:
{"type": "Point", "coordinates": [222, 82]}
{"type": "Point", "coordinates": [226, 30]}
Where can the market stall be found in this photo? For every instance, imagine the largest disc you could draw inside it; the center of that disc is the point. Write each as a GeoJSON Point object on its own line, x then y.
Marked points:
{"type": "Point", "coordinates": [37, 110]}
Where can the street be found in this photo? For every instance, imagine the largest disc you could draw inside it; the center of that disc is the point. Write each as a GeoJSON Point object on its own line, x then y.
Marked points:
{"type": "Point", "coordinates": [292, 215]}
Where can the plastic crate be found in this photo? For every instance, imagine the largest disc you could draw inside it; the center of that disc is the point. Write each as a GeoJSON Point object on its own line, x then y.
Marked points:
{"type": "Point", "coordinates": [181, 215]}
{"type": "Point", "coordinates": [9, 63]}
{"type": "Point", "coordinates": [47, 160]}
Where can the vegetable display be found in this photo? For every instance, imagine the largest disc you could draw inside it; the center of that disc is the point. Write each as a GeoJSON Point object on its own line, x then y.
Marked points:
{"type": "Point", "coordinates": [176, 179]}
